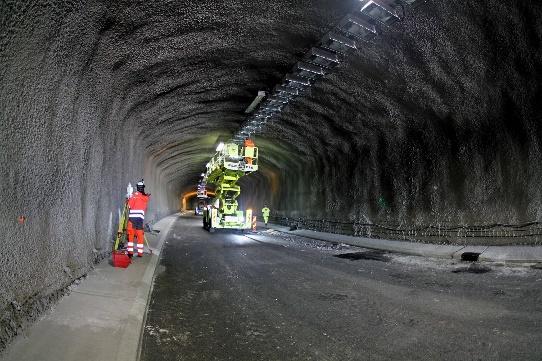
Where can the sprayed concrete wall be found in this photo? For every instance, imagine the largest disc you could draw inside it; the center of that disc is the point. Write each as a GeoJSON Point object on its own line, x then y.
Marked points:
{"type": "Point", "coordinates": [67, 154]}
{"type": "Point", "coordinates": [435, 123]}
{"type": "Point", "coordinates": [435, 129]}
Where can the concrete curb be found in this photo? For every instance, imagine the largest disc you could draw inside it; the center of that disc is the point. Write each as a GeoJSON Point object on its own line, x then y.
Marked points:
{"type": "Point", "coordinates": [512, 254]}
{"type": "Point", "coordinates": [130, 342]}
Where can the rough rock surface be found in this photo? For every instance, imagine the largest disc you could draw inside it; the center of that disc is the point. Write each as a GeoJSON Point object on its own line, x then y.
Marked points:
{"type": "Point", "coordinates": [436, 121]}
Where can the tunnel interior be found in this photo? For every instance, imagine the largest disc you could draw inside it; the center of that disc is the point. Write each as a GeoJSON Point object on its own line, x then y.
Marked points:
{"type": "Point", "coordinates": [434, 124]}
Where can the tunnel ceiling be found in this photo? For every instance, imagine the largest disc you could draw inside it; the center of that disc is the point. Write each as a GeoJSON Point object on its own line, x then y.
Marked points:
{"type": "Point", "coordinates": [454, 79]}
{"type": "Point", "coordinates": [182, 72]}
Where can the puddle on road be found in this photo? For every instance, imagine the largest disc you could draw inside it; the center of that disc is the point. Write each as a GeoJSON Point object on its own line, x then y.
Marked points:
{"type": "Point", "coordinates": [473, 268]}
{"type": "Point", "coordinates": [367, 255]}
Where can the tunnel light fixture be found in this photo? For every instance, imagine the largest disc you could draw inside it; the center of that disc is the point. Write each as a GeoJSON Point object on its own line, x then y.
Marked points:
{"type": "Point", "coordinates": [381, 10]}
{"type": "Point", "coordinates": [251, 126]}
{"type": "Point", "coordinates": [272, 107]}
{"type": "Point", "coordinates": [296, 82]}
{"type": "Point", "coordinates": [363, 24]}
{"type": "Point", "coordinates": [358, 27]}
{"type": "Point", "coordinates": [255, 102]}
{"type": "Point", "coordinates": [284, 95]}
{"type": "Point", "coordinates": [307, 70]}
{"type": "Point", "coordinates": [269, 111]}
{"type": "Point", "coordinates": [337, 42]}
{"type": "Point", "coordinates": [287, 96]}
{"type": "Point", "coordinates": [321, 57]}
{"type": "Point", "coordinates": [412, 2]}
{"type": "Point", "coordinates": [286, 90]}
{"type": "Point", "coordinates": [265, 116]}
{"type": "Point", "coordinates": [275, 99]}
{"type": "Point", "coordinates": [300, 89]}
{"type": "Point", "coordinates": [275, 107]}
{"type": "Point", "coordinates": [220, 147]}
{"type": "Point", "coordinates": [262, 116]}
{"type": "Point", "coordinates": [281, 97]}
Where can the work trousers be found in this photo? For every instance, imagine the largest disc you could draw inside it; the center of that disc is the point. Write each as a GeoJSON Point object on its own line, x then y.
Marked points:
{"type": "Point", "coordinates": [135, 228]}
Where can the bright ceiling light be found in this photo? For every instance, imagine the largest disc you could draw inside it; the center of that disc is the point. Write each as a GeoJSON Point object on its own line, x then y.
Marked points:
{"type": "Point", "coordinates": [381, 10]}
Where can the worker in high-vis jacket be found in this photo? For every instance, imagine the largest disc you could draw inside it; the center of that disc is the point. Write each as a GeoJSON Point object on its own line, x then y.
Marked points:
{"type": "Point", "coordinates": [137, 204]}
{"type": "Point", "coordinates": [265, 214]}
{"type": "Point", "coordinates": [249, 146]}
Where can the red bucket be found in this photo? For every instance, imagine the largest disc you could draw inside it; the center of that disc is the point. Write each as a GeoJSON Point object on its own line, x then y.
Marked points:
{"type": "Point", "coordinates": [121, 259]}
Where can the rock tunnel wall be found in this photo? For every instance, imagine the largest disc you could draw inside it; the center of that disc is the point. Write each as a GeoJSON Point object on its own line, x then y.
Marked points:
{"type": "Point", "coordinates": [67, 154]}
{"type": "Point", "coordinates": [432, 132]}
{"type": "Point", "coordinates": [436, 122]}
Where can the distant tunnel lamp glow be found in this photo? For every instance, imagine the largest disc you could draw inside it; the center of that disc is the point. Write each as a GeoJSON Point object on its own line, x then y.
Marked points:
{"type": "Point", "coordinates": [186, 196]}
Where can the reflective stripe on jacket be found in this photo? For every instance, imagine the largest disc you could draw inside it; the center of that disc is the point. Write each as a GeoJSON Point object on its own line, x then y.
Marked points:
{"type": "Point", "coordinates": [138, 205]}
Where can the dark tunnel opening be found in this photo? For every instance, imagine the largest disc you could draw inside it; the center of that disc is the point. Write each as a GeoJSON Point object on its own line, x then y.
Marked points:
{"type": "Point", "coordinates": [431, 132]}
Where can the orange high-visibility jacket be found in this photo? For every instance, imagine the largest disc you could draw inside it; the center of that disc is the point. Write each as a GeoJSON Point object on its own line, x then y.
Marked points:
{"type": "Point", "coordinates": [138, 205]}
{"type": "Point", "coordinates": [249, 143]}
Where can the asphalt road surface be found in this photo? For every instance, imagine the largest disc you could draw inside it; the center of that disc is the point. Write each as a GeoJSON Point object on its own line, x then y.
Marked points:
{"type": "Point", "coordinates": [272, 296]}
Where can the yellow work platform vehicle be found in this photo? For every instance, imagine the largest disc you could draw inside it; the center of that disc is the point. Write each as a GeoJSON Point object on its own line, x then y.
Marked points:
{"type": "Point", "coordinates": [231, 162]}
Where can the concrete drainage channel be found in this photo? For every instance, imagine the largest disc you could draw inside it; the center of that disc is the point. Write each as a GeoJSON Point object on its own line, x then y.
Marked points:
{"type": "Point", "coordinates": [521, 254]}
{"type": "Point", "coordinates": [471, 259]}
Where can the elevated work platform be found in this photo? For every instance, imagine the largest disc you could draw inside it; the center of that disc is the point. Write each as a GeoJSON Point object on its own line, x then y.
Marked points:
{"type": "Point", "coordinates": [228, 165]}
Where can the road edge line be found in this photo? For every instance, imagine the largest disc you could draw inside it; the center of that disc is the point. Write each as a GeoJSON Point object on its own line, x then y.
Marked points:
{"type": "Point", "coordinates": [130, 349]}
